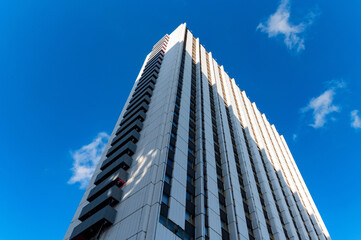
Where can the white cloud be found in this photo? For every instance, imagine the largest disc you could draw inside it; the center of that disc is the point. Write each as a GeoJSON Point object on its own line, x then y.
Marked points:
{"type": "Point", "coordinates": [86, 159]}
{"type": "Point", "coordinates": [334, 84]}
{"type": "Point", "coordinates": [322, 106]}
{"type": "Point", "coordinates": [294, 137]}
{"type": "Point", "coordinates": [355, 119]}
{"type": "Point", "coordinates": [279, 24]}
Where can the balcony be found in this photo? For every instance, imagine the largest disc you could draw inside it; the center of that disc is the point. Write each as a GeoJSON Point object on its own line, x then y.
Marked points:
{"type": "Point", "coordinates": [118, 179]}
{"type": "Point", "coordinates": [133, 136]}
{"type": "Point", "coordinates": [144, 82]}
{"type": "Point", "coordinates": [143, 106]}
{"type": "Point", "coordinates": [129, 148]}
{"type": "Point", "coordinates": [141, 93]}
{"type": "Point", "coordinates": [123, 162]}
{"type": "Point", "coordinates": [131, 107]}
{"type": "Point", "coordinates": [110, 197]}
{"type": "Point", "coordinates": [132, 118]}
{"type": "Point", "coordinates": [148, 92]}
{"type": "Point", "coordinates": [125, 128]}
{"type": "Point", "coordinates": [90, 227]}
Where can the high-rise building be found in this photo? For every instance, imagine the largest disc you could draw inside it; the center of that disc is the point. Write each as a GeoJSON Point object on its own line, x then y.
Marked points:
{"type": "Point", "coordinates": [192, 158]}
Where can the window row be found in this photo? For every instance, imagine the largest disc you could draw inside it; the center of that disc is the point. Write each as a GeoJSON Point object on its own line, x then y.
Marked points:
{"type": "Point", "coordinates": [220, 185]}
{"type": "Point", "coordinates": [188, 232]}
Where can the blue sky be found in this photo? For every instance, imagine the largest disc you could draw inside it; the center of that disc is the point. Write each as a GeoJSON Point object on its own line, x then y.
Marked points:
{"type": "Point", "coordinates": [66, 69]}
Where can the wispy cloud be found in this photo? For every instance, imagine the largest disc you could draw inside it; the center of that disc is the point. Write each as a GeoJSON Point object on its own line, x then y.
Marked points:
{"type": "Point", "coordinates": [279, 24]}
{"type": "Point", "coordinates": [355, 119]}
{"type": "Point", "coordinates": [322, 106]}
{"type": "Point", "coordinates": [86, 159]}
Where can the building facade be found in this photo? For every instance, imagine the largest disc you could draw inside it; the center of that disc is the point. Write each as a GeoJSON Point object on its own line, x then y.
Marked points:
{"type": "Point", "coordinates": [192, 158]}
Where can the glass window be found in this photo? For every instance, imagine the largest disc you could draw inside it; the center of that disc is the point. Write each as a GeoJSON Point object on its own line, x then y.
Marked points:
{"type": "Point", "coordinates": [163, 220]}
{"type": "Point", "coordinates": [167, 179]}
{"type": "Point", "coordinates": [186, 237]}
{"type": "Point", "coordinates": [190, 164]}
{"type": "Point", "coordinates": [190, 151]}
{"type": "Point", "coordinates": [221, 206]}
{"type": "Point", "coordinates": [165, 199]}
{"type": "Point", "coordinates": [171, 226]}
{"type": "Point", "coordinates": [188, 216]}
{"type": "Point", "coordinates": [188, 196]}
{"type": "Point", "coordinates": [179, 232]}
{"type": "Point", "coordinates": [224, 226]}
{"type": "Point", "coordinates": [189, 179]}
